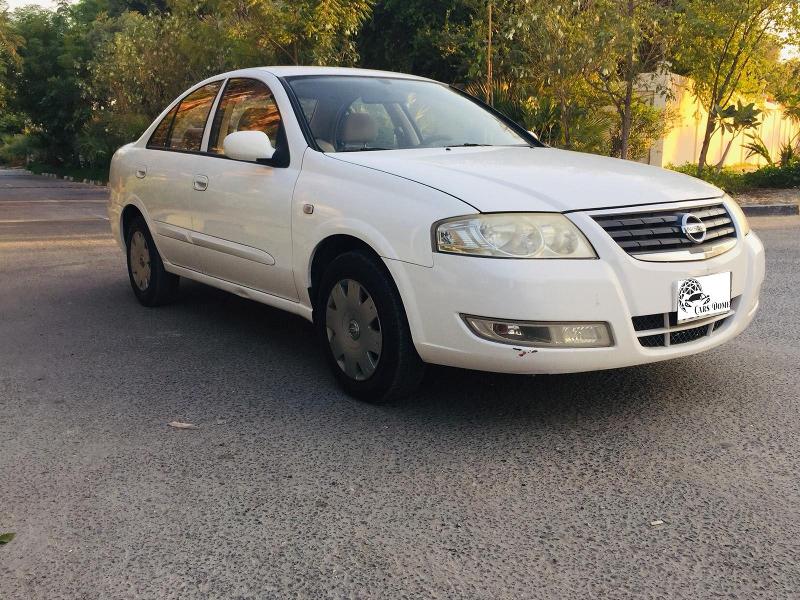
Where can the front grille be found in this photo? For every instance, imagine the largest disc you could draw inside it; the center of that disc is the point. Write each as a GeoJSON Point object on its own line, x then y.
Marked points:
{"type": "Point", "coordinates": [689, 335]}
{"type": "Point", "coordinates": [657, 235]}
{"type": "Point", "coordinates": [652, 341]}
{"type": "Point", "coordinates": [661, 329]}
{"type": "Point", "coordinates": [648, 322]}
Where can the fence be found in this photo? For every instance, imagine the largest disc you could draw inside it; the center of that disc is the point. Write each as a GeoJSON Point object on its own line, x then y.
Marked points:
{"type": "Point", "coordinates": [683, 142]}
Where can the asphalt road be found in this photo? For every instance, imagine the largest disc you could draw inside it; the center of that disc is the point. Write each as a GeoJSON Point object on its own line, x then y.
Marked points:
{"type": "Point", "coordinates": [482, 486]}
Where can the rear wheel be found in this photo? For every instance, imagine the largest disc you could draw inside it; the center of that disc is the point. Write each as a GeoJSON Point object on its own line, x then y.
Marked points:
{"type": "Point", "coordinates": [152, 284]}
{"type": "Point", "coordinates": [362, 326]}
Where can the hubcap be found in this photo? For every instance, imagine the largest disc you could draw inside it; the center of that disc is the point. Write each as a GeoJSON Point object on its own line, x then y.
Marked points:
{"type": "Point", "coordinates": [140, 261]}
{"type": "Point", "coordinates": [354, 330]}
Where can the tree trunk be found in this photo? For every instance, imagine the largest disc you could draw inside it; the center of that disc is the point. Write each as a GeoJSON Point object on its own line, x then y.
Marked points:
{"type": "Point", "coordinates": [710, 127]}
{"type": "Point", "coordinates": [565, 123]}
{"type": "Point", "coordinates": [489, 74]}
{"type": "Point", "coordinates": [721, 162]}
{"type": "Point", "coordinates": [627, 117]}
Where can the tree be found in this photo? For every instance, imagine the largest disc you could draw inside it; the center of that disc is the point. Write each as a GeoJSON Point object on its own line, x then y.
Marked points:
{"type": "Point", "coordinates": [735, 119]}
{"type": "Point", "coordinates": [50, 80]}
{"type": "Point", "coordinates": [9, 58]}
{"type": "Point", "coordinates": [726, 47]}
{"type": "Point", "coordinates": [432, 38]}
{"type": "Point", "coordinates": [8, 39]}
{"type": "Point", "coordinates": [554, 45]}
{"type": "Point", "coordinates": [637, 41]}
{"type": "Point", "coordinates": [45, 87]}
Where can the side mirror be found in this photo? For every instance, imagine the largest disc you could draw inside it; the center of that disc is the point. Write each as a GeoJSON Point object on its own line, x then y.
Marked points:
{"type": "Point", "coordinates": [248, 145]}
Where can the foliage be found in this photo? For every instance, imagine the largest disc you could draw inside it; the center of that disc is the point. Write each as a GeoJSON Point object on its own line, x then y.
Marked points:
{"type": "Point", "coordinates": [9, 40]}
{"type": "Point", "coordinates": [77, 173]}
{"type": "Point", "coordinates": [80, 80]}
{"type": "Point", "coordinates": [782, 81]}
{"type": "Point", "coordinates": [556, 45]}
{"type": "Point", "coordinates": [149, 60]}
{"type": "Point", "coordinates": [789, 152]}
{"type": "Point", "coordinates": [432, 38]}
{"type": "Point", "coordinates": [726, 47]}
{"type": "Point", "coordinates": [19, 148]}
{"type": "Point", "coordinates": [509, 98]}
{"type": "Point", "coordinates": [106, 132]}
{"type": "Point", "coordinates": [729, 179]}
{"type": "Point", "coordinates": [49, 83]}
{"type": "Point", "coordinates": [735, 119]}
{"type": "Point", "coordinates": [787, 155]}
{"type": "Point", "coordinates": [757, 147]}
{"type": "Point", "coordinates": [647, 125]}
{"type": "Point", "coordinates": [784, 176]}
{"type": "Point", "coordinates": [733, 181]}
{"type": "Point", "coordinates": [639, 43]}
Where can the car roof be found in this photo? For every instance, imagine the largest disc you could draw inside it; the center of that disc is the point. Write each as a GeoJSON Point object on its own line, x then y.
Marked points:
{"type": "Point", "coordinates": [292, 71]}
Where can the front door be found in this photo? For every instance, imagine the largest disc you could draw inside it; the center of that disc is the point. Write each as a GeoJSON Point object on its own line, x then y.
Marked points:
{"type": "Point", "coordinates": [241, 211]}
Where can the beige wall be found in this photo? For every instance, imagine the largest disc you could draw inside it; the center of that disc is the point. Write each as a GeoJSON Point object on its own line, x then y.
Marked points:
{"type": "Point", "coordinates": [683, 142]}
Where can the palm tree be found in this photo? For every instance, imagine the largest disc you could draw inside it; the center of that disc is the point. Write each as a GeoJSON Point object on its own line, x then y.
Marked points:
{"type": "Point", "coordinates": [9, 41]}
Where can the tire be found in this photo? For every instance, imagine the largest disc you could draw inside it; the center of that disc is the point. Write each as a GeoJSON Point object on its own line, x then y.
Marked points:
{"type": "Point", "coordinates": [152, 284]}
{"type": "Point", "coordinates": [362, 326]}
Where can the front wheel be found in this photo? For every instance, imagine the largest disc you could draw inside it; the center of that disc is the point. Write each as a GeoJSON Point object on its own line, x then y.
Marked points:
{"type": "Point", "coordinates": [362, 326]}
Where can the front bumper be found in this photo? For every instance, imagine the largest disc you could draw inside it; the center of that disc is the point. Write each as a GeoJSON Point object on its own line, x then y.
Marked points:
{"type": "Point", "coordinates": [613, 289]}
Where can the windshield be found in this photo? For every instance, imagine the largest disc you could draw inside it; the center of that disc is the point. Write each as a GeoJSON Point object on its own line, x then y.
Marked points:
{"type": "Point", "coordinates": [355, 114]}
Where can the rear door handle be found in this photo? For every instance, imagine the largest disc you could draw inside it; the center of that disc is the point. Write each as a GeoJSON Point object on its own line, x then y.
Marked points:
{"type": "Point", "coordinates": [200, 183]}
{"type": "Point", "coordinates": [141, 172]}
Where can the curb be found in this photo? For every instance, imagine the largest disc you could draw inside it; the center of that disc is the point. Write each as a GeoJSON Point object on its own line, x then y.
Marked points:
{"type": "Point", "coordinates": [69, 178]}
{"type": "Point", "coordinates": [771, 210]}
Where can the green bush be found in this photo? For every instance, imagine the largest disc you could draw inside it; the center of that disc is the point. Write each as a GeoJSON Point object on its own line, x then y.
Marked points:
{"type": "Point", "coordinates": [786, 176]}
{"type": "Point", "coordinates": [730, 180]}
{"type": "Point", "coordinates": [734, 181]}
{"type": "Point", "coordinates": [21, 148]}
{"type": "Point", "coordinates": [77, 173]}
{"type": "Point", "coordinates": [106, 132]}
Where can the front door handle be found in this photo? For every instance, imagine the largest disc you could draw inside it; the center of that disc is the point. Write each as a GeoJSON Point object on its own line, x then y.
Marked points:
{"type": "Point", "coordinates": [200, 183]}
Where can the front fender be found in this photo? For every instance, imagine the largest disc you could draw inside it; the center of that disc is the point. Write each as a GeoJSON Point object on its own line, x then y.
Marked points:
{"type": "Point", "coordinates": [391, 214]}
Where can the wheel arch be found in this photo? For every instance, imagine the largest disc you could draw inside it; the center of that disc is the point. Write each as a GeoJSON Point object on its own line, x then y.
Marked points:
{"type": "Point", "coordinates": [327, 250]}
{"type": "Point", "coordinates": [133, 208]}
{"type": "Point", "coordinates": [126, 217]}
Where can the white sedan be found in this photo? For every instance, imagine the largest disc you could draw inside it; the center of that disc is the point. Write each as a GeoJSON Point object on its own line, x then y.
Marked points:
{"type": "Point", "coordinates": [413, 224]}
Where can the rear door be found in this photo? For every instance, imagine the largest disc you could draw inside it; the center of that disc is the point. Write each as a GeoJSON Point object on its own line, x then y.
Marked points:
{"type": "Point", "coordinates": [168, 170]}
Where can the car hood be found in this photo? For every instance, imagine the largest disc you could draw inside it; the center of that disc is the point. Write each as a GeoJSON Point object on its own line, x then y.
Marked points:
{"type": "Point", "coordinates": [531, 179]}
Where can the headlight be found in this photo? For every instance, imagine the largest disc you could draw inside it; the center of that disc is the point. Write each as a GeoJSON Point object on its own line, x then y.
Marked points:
{"type": "Point", "coordinates": [738, 215]}
{"type": "Point", "coordinates": [512, 235]}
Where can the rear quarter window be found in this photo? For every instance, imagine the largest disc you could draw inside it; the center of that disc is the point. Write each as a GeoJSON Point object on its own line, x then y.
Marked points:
{"type": "Point", "coordinates": [182, 128]}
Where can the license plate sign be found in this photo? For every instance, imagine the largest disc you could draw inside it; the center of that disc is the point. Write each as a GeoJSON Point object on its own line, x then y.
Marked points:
{"type": "Point", "coordinates": [702, 297]}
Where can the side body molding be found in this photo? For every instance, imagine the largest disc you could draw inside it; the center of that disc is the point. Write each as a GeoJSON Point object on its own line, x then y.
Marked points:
{"type": "Point", "coordinates": [213, 243]}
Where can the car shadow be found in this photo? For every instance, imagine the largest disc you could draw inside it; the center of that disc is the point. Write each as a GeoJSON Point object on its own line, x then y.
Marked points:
{"type": "Point", "coordinates": [443, 387]}
{"type": "Point", "coordinates": [250, 361]}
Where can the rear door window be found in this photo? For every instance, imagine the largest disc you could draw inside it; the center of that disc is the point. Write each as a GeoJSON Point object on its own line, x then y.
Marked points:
{"type": "Point", "coordinates": [187, 121]}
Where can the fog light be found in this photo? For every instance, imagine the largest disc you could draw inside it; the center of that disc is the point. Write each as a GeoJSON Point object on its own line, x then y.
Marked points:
{"type": "Point", "coordinates": [544, 334]}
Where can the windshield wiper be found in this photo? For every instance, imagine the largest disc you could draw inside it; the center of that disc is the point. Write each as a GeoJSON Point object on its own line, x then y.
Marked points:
{"type": "Point", "coordinates": [466, 145]}
{"type": "Point", "coordinates": [362, 149]}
